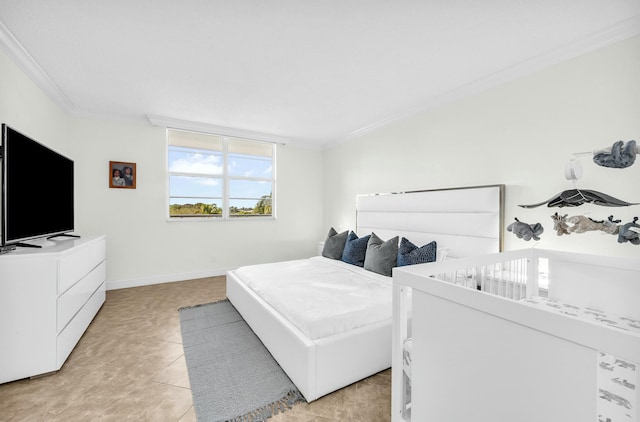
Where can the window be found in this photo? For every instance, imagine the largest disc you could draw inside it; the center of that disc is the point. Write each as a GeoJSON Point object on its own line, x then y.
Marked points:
{"type": "Point", "coordinates": [213, 176]}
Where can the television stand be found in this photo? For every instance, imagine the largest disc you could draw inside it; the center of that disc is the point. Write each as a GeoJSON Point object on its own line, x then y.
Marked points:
{"type": "Point", "coordinates": [64, 235]}
{"type": "Point", "coordinates": [7, 248]}
{"type": "Point", "coordinates": [48, 298]}
{"type": "Point", "coordinates": [26, 245]}
{"type": "Point", "coordinates": [31, 245]}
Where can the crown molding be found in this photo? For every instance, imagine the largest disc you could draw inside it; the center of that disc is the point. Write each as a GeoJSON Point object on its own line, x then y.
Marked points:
{"type": "Point", "coordinates": [16, 51]}
{"type": "Point", "coordinates": [616, 33]}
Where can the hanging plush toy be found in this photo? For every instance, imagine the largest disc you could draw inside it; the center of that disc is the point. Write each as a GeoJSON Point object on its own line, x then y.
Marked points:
{"type": "Point", "coordinates": [618, 156]}
{"type": "Point", "coordinates": [560, 224]}
{"type": "Point", "coordinates": [582, 224]}
{"type": "Point", "coordinates": [630, 232]}
{"type": "Point", "coordinates": [526, 231]}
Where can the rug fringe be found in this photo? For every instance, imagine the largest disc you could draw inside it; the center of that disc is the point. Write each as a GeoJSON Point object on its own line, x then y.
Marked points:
{"type": "Point", "coordinates": [201, 304]}
{"type": "Point", "coordinates": [262, 414]}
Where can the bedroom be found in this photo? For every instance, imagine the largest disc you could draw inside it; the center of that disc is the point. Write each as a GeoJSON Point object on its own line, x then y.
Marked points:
{"type": "Point", "coordinates": [520, 133]}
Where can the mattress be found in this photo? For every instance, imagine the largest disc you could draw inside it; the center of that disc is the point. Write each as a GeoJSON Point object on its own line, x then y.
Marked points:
{"type": "Point", "coordinates": [591, 315]}
{"type": "Point", "coordinates": [321, 296]}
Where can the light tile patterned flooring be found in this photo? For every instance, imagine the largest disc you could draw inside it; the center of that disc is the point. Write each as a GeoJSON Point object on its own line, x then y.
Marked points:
{"type": "Point", "coordinates": [129, 366]}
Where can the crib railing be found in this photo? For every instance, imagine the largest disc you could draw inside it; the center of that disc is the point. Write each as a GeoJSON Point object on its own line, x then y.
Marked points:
{"type": "Point", "coordinates": [511, 279]}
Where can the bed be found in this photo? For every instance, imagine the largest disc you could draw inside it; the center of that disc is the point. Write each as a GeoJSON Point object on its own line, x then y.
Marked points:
{"type": "Point", "coordinates": [345, 341]}
{"type": "Point", "coordinates": [528, 335]}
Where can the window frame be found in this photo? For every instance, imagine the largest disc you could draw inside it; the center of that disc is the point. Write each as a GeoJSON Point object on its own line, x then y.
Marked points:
{"type": "Point", "coordinates": [225, 177]}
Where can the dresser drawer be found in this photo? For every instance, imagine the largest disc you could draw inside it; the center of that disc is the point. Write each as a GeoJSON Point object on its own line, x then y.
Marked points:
{"type": "Point", "coordinates": [76, 263]}
{"type": "Point", "coordinates": [68, 338]}
{"type": "Point", "coordinates": [72, 300]}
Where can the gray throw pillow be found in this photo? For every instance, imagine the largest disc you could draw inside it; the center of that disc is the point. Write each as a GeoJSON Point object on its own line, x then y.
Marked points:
{"type": "Point", "coordinates": [334, 244]}
{"type": "Point", "coordinates": [381, 256]}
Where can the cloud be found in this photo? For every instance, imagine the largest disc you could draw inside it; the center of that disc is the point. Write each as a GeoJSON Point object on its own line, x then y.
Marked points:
{"type": "Point", "coordinates": [197, 164]}
{"type": "Point", "coordinates": [208, 181]}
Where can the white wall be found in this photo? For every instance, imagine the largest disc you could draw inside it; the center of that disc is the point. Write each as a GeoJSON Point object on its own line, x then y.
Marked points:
{"type": "Point", "coordinates": [142, 245]}
{"type": "Point", "coordinates": [26, 108]}
{"type": "Point", "coordinates": [520, 134]}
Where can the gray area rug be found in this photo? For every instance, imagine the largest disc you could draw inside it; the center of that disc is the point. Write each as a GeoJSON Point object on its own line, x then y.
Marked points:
{"type": "Point", "coordinates": [233, 376]}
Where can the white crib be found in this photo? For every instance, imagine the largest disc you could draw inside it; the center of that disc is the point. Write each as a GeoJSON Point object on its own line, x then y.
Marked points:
{"type": "Point", "coordinates": [528, 336]}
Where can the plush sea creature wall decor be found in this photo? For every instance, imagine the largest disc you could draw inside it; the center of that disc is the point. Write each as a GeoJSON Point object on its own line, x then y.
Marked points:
{"type": "Point", "coordinates": [526, 231]}
{"type": "Point", "coordinates": [577, 197]}
{"type": "Point", "coordinates": [630, 232]}
{"type": "Point", "coordinates": [618, 156]}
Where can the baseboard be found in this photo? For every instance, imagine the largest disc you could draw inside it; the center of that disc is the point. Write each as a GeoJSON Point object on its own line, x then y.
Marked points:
{"type": "Point", "coordinates": [164, 278]}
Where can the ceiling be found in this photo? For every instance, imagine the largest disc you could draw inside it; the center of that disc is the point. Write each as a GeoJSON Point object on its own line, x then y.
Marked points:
{"type": "Point", "coordinates": [312, 72]}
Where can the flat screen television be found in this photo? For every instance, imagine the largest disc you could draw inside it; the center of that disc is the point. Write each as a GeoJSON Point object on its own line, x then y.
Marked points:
{"type": "Point", "coordinates": [37, 190]}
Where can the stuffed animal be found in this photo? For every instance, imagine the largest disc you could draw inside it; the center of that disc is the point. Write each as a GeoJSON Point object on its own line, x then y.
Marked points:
{"type": "Point", "coordinates": [560, 224]}
{"type": "Point", "coordinates": [618, 156]}
{"type": "Point", "coordinates": [630, 232]}
{"type": "Point", "coordinates": [526, 231]}
{"type": "Point", "coordinates": [582, 224]}
{"type": "Point", "coordinates": [612, 225]}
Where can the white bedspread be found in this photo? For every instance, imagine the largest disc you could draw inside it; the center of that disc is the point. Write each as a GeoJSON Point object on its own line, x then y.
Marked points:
{"type": "Point", "coordinates": [321, 296]}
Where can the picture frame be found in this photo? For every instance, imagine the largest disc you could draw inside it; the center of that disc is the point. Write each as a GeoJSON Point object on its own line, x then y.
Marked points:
{"type": "Point", "coordinates": [122, 175]}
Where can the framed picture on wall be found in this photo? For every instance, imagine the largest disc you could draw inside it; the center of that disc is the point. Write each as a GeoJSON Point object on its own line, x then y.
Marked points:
{"type": "Point", "coordinates": [122, 175]}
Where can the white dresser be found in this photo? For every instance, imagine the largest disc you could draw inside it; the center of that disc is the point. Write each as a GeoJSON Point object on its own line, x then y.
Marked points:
{"type": "Point", "coordinates": [48, 297]}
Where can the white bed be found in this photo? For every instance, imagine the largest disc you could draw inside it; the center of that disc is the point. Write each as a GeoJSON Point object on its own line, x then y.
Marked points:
{"type": "Point", "coordinates": [529, 335]}
{"type": "Point", "coordinates": [344, 342]}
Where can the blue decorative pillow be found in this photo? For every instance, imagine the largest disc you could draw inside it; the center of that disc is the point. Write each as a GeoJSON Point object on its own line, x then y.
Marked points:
{"type": "Point", "coordinates": [381, 256]}
{"type": "Point", "coordinates": [355, 249]}
{"type": "Point", "coordinates": [334, 244]}
{"type": "Point", "coordinates": [410, 254]}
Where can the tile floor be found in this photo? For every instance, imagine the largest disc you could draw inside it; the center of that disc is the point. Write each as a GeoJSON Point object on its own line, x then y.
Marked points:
{"type": "Point", "coordinates": [129, 366]}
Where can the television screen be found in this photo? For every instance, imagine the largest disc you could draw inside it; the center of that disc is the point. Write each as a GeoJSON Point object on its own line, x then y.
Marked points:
{"type": "Point", "coordinates": [37, 189]}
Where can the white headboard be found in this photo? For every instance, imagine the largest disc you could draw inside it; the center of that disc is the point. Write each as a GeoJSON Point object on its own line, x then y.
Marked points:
{"type": "Point", "coordinates": [467, 221]}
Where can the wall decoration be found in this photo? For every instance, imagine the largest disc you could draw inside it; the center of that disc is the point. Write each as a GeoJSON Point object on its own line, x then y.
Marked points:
{"type": "Point", "coordinates": [560, 224]}
{"type": "Point", "coordinates": [630, 232]}
{"type": "Point", "coordinates": [577, 197]}
{"type": "Point", "coordinates": [618, 156]}
{"type": "Point", "coordinates": [122, 175]}
{"type": "Point", "coordinates": [526, 231]}
{"type": "Point", "coordinates": [582, 224]}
